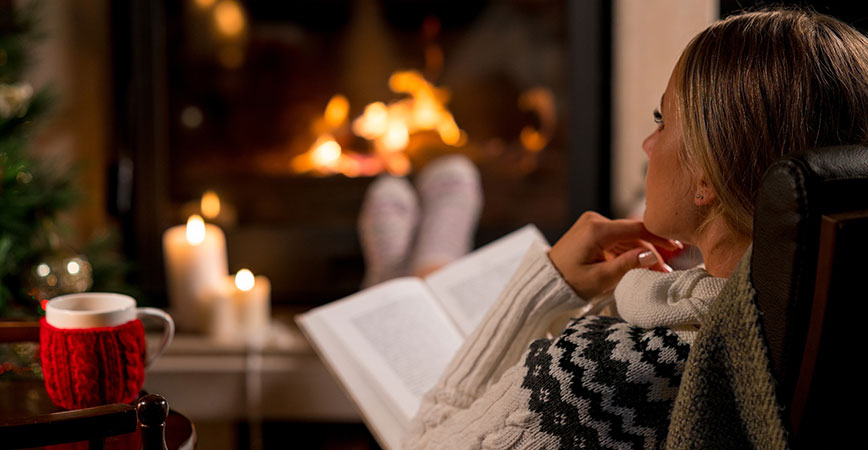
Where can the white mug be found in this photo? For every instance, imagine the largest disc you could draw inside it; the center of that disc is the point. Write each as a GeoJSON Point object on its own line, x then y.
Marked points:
{"type": "Point", "coordinates": [102, 309]}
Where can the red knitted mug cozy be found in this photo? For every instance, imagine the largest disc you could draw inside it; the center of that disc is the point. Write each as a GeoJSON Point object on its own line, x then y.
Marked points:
{"type": "Point", "coordinates": [92, 366]}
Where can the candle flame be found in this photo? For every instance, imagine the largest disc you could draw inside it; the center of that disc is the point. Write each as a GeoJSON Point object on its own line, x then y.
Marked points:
{"type": "Point", "coordinates": [244, 280]}
{"type": "Point", "coordinates": [195, 229]}
{"type": "Point", "coordinates": [210, 205]}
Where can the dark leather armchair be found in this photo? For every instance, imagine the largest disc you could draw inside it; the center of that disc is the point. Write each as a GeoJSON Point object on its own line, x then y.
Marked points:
{"type": "Point", "coordinates": [809, 260]}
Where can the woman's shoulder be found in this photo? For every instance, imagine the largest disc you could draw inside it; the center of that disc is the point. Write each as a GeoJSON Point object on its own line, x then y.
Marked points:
{"type": "Point", "coordinates": [676, 299]}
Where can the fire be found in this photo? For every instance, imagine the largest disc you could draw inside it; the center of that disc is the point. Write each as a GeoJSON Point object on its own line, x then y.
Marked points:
{"type": "Point", "coordinates": [373, 122]}
{"type": "Point", "coordinates": [396, 136]}
{"type": "Point", "coordinates": [323, 157]}
{"type": "Point", "coordinates": [336, 111]}
{"type": "Point", "coordinates": [388, 127]}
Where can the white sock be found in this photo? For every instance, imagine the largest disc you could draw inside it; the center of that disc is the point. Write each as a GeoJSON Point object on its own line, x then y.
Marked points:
{"type": "Point", "coordinates": [451, 196]}
{"type": "Point", "coordinates": [387, 224]}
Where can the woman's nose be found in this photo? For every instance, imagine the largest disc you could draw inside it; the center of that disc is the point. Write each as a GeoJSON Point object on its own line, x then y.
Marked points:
{"type": "Point", "coordinates": [646, 144]}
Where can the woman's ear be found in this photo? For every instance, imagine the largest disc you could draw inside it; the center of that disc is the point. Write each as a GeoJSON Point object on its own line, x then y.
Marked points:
{"type": "Point", "coordinates": [704, 193]}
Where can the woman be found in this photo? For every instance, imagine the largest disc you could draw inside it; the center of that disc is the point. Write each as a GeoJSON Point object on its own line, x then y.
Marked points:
{"type": "Point", "coordinates": [746, 91]}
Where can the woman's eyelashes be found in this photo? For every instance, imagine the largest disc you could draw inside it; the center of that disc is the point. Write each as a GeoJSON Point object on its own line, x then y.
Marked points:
{"type": "Point", "coordinates": [658, 118]}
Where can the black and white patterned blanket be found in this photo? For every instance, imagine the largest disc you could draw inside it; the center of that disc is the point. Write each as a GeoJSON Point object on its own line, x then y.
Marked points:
{"type": "Point", "coordinates": [604, 383]}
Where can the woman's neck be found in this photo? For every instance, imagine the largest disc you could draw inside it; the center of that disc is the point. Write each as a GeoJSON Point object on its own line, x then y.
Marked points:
{"type": "Point", "coordinates": [721, 248]}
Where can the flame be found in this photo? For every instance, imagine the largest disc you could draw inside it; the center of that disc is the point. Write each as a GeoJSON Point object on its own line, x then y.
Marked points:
{"type": "Point", "coordinates": [336, 111]}
{"type": "Point", "coordinates": [389, 128]}
{"type": "Point", "coordinates": [396, 137]}
{"type": "Point", "coordinates": [244, 280]}
{"type": "Point", "coordinates": [532, 139]}
{"type": "Point", "coordinates": [323, 157]}
{"type": "Point", "coordinates": [373, 122]}
{"type": "Point", "coordinates": [326, 154]}
{"type": "Point", "coordinates": [541, 101]}
{"type": "Point", "coordinates": [449, 131]}
{"type": "Point", "coordinates": [195, 230]}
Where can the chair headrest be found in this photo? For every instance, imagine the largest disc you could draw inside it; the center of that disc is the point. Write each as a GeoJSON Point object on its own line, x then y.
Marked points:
{"type": "Point", "coordinates": [795, 192]}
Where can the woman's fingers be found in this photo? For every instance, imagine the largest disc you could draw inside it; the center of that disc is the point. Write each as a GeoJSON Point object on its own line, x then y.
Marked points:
{"type": "Point", "coordinates": [612, 231]}
{"type": "Point", "coordinates": [610, 272]}
{"type": "Point", "coordinates": [596, 252]}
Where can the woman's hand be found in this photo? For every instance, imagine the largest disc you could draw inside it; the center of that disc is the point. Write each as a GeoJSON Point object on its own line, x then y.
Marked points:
{"type": "Point", "coordinates": [596, 252]}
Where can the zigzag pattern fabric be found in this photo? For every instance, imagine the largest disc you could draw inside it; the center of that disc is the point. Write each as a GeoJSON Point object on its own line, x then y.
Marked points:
{"type": "Point", "coordinates": [605, 384]}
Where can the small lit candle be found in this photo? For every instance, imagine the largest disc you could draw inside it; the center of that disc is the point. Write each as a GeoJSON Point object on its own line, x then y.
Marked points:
{"type": "Point", "coordinates": [195, 257]}
{"type": "Point", "coordinates": [252, 298]}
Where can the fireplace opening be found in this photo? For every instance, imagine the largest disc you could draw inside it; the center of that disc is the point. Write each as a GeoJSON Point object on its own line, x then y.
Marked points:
{"type": "Point", "coordinates": [282, 113]}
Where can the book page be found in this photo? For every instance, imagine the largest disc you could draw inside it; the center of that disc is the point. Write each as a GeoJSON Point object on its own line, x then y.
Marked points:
{"type": "Point", "coordinates": [399, 335]}
{"type": "Point", "coordinates": [380, 415]}
{"type": "Point", "coordinates": [468, 287]}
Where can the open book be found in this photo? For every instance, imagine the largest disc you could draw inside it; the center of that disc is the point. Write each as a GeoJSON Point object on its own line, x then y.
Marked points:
{"type": "Point", "coordinates": [388, 345]}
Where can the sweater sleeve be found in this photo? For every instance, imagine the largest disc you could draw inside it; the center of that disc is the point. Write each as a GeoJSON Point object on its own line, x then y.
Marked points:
{"type": "Point", "coordinates": [654, 299]}
{"type": "Point", "coordinates": [536, 295]}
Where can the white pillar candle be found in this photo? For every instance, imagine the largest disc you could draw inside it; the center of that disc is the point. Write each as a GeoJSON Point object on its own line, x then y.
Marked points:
{"type": "Point", "coordinates": [196, 267]}
{"type": "Point", "coordinates": [252, 298]}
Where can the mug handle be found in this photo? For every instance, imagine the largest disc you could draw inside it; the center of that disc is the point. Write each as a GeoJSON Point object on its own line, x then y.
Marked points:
{"type": "Point", "coordinates": [168, 330]}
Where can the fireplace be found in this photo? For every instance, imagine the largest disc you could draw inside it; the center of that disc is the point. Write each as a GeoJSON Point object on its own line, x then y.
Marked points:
{"type": "Point", "coordinates": [287, 110]}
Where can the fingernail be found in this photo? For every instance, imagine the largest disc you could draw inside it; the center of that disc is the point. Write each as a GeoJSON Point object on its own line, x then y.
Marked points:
{"type": "Point", "coordinates": [667, 268]}
{"type": "Point", "coordinates": [647, 259]}
{"type": "Point", "coordinates": [678, 244]}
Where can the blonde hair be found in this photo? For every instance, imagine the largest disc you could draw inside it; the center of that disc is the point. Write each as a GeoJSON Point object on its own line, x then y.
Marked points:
{"type": "Point", "coordinates": [756, 86]}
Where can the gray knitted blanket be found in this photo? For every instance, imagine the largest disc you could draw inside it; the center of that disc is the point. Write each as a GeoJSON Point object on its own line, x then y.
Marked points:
{"type": "Point", "coordinates": [727, 395]}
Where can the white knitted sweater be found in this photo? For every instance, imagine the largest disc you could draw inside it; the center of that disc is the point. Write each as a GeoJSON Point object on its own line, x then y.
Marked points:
{"type": "Point", "coordinates": [602, 382]}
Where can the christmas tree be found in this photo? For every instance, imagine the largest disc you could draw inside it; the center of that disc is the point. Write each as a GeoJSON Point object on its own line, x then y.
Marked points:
{"type": "Point", "coordinates": [36, 262]}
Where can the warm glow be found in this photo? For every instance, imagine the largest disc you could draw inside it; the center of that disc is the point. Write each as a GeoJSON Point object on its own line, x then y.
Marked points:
{"type": "Point", "coordinates": [426, 112]}
{"type": "Point", "coordinates": [195, 229]}
{"type": "Point", "coordinates": [396, 137]}
{"type": "Point", "coordinates": [210, 205]}
{"type": "Point", "coordinates": [336, 111]}
{"type": "Point", "coordinates": [389, 127]}
{"type": "Point", "coordinates": [231, 57]}
{"type": "Point", "coordinates": [229, 18]}
{"type": "Point", "coordinates": [43, 270]}
{"type": "Point", "coordinates": [449, 132]}
{"type": "Point", "coordinates": [73, 267]}
{"type": "Point", "coordinates": [326, 154]}
{"type": "Point", "coordinates": [204, 4]}
{"type": "Point", "coordinates": [398, 164]}
{"type": "Point", "coordinates": [408, 82]}
{"type": "Point", "coordinates": [373, 122]}
{"type": "Point", "coordinates": [532, 140]}
{"type": "Point", "coordinates": [244, 280]}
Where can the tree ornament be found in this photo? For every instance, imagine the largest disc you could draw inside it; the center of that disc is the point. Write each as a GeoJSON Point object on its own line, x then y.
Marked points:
{"type": "Point", "coordinates": [58, 274]}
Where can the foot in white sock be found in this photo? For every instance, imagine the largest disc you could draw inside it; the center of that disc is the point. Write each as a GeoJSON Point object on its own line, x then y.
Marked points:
{"type": "Point", "coordinates": [387, 225]}
{"type": "Point", "coordinates": [451, 196]}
